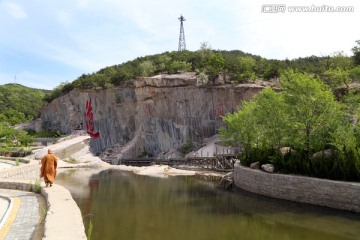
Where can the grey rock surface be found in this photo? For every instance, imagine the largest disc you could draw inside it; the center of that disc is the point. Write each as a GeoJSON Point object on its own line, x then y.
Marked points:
{"type": "Point", "coordinates": [149, 115]}
{"type": "Point", "coordinates": [268, 168]}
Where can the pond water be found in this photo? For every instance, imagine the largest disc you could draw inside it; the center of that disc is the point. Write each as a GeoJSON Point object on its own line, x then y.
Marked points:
{"type": "Point", "coordinates": [122, 205]}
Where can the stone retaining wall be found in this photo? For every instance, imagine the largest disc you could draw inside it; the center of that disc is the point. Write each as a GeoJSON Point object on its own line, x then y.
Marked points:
{"type": "Point", "coordinates": [29, 172]}
{"type": "Point", "coordinates": [322, 192]}
{"type": "Point", "coordinates": [63, 220]}
{"type": "Point", "coordinates": [23, 160]}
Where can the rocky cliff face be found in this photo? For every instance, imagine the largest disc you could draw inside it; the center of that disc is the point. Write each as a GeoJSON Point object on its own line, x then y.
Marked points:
{"type": "Point", "coordinates": [150, 115]}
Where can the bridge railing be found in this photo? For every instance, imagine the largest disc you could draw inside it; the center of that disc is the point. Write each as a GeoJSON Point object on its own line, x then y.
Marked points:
{"type": "Point", "coordinates": [219, 162]}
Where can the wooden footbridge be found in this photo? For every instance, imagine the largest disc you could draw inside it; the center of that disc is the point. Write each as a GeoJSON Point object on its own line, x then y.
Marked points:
{"type": "Point", "coordinates": [220, 162]}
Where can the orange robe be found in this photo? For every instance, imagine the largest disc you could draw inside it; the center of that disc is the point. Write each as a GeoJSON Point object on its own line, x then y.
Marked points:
{"type": "Point", "coordinates": [48, 168]}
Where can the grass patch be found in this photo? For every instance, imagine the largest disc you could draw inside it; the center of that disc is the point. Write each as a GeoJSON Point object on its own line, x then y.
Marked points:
{"type": "Point", "coordinates": [43, 214]}
{"type": "Point", "coordinates": [71, 160]}
{"type": "Point", "coordinates": [36, 187]}
{"type": "Point", "coordinates": [63, 154]}
{"type": "Point", "coordinates": [89, 231]}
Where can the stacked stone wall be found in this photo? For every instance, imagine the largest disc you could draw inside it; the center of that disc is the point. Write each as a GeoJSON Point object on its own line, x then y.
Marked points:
{"type": "Point", "coordinates": [29, 171]}
{"type": "Point", "coordinates": [322, 192]}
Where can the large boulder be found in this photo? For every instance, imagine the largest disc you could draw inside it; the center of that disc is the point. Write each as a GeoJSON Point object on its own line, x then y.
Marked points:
{"type": "Point", "coordinates": [268, 168]}
{"type": "Point", "coordinates": [255, 165]}
{"type": "Point", "coordinates": [325, 154]}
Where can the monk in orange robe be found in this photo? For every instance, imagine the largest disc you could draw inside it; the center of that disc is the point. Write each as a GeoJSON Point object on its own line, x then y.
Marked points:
{"type": "Point", "coordinates": [48, 168]}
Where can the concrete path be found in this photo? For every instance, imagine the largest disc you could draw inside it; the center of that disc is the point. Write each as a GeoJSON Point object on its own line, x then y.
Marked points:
{"type": "Point", "coordinates": [24, 218]}
{"type": "Point", "coordinates": [4, 165]}
{"type": "Point", "coordinates": [4, 207]}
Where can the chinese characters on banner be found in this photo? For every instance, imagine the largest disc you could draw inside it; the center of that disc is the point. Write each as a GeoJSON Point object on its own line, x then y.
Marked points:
{"type": "Point", "coordinates": [147, 110]}
{"type": "Point", "coordinates": [219, 110]}
{"type": "Point", "coordinates": [89, 120]}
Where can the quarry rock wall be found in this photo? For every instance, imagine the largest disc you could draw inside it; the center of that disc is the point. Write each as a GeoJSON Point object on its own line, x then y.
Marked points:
{"type": "Point", "coordinates": [150, 115]}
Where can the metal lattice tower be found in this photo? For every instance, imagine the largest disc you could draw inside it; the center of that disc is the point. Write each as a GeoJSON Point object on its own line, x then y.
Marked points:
{"type": "Point", "coordinates": [182, 44]}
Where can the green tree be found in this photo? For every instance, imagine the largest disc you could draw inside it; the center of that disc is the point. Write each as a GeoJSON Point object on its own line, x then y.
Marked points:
{"type": "Point", "coordinates": [24, 138]}
{"type": "Point", "coordinates": [163, 62]}
{"type": "Point", "coordinates": [146, 68]}
{"type": "Point", "coordinates": [177, 66]}
{"type": "Point", "coordinates": [241, 128]}
{"type": "Point", "coordinates": [123, 73]}
{"type": "Point", "coordinates": [337, 77]}
{"type": "Point", "coordinates": [272, 70]}
{"type": "Point", "coordinates": [215, 65]}
{"type": "Point", "coordinates": [204, 54]}
{"type": "Point", "coordinates": [8, 135]}
{"type": "Point", "coordinates": [246, 63]}
{"type": "Point", "coordinates": [271, 117]}
{"type": "Point", "coordinates": [354, 73]}
{"type": "Point", "coordinates": [19, 103]}
{"type": "Point", "coordinates": [12, 117]}
{"type": "Point", "coordinates": [247, 66]}
{"type": "Point", "coordinates": [205, 47]}
{"type": "Point", "coordinates": [356, 52]}
{"type": "Point", "coordinates": [351, 103]}
{"type": "Point", "coordinates": [56, 92]}
{"type": "Point", "coordinates": [261, 123]}
{"type": "Point", "coordinates": [303, 115]}
{"type": "Point", "coordinates": [340, 60]}
{"type": "Point", "coordinates": [312, 111]}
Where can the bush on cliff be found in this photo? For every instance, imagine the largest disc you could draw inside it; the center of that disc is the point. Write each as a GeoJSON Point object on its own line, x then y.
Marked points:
{"type": "Point", "coordinates": [239, 66]}
{"type": "Point", "coordinates": [305, 117]}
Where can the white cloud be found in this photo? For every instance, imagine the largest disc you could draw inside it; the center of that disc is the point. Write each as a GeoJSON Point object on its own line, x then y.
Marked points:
{"type": "Point", "coordinates": [86, 35]}
{"type": "Point", "coordinates": [71, 57]}
{"type": "Point", "coordinates": [293, 35]}
{"type": "Point", "coordinates": [15, 10]}
{"type": "Point", "coordinates": [64, 18]}
{"type": "Point", "coordinates": [82, 3]}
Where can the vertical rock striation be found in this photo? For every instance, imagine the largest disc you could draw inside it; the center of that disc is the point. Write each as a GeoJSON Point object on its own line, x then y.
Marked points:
{"type": "Point", "coordinates": [150, 115]}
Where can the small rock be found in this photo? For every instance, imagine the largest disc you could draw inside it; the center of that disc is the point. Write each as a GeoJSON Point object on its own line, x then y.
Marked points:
{"type": "Point", "coordinates": [219, 80]}
{"type": "Point", "coordinates": [285, 150]}
{"type": "Point", "coordinates": [268, 168]}
{"type": "Point", "coordinates": [326, 154]}
{"type": "Point", "coordinates": [255, 165]}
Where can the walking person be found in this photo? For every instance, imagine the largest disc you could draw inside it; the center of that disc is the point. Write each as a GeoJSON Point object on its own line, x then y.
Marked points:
{"type": "Point", "coordinates": [48, 168]}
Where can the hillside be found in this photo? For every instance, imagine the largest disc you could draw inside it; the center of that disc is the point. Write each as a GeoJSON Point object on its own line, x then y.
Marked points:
{"type": "Point", "coordinates": [19, 103]}
{"type": "Point", "coordinates": [241, 67]}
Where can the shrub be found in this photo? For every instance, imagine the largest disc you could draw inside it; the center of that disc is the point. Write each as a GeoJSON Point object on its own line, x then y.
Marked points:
{"type": "Point", "coordinates": [187, 147]}
{"type": "Point", "coordinates": [305, 117]}
{"type": "Point", "coordinates": [37, 186]}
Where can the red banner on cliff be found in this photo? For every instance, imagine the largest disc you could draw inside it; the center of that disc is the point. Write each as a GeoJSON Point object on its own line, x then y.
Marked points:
{"type": "Point", "coordinates": [89, 120]}
{"type": "Point", "coordinates": [219, 110]}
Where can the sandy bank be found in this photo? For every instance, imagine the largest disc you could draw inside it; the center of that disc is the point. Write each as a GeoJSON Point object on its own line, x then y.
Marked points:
{"type": "Point", "coordinates": [74, 152]}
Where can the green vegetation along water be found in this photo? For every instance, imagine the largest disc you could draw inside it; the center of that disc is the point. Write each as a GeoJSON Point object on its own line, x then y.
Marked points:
{"type": "Point", "coordinates": [19, 104]}
{"type": "Point", "coordinates": [122, 205]}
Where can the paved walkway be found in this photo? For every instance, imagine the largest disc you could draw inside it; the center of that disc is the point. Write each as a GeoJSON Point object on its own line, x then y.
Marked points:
{"type": "Point", "coordinates": [6, 164]}
{"type": "Point", "coordinates": [24, 219]}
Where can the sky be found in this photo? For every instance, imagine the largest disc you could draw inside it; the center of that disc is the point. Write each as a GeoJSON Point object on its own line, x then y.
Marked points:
{"type": "Point", "coordinates": [46, 43]}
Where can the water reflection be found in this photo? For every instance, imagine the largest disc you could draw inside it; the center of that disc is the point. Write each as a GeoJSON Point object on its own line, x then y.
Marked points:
{"type": "Point", "coordinates": [122, 205]}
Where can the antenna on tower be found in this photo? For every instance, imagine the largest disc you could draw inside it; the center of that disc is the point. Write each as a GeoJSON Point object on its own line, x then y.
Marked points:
{"type": "Point", "coordinates": [15, 79]}
{"type": "Point", "coordinates": [182, 44]}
